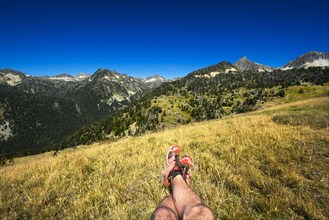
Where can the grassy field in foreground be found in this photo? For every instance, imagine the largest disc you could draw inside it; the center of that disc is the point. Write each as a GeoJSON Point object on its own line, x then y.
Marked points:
{"type": "Point", "coordinates": [271, 164]}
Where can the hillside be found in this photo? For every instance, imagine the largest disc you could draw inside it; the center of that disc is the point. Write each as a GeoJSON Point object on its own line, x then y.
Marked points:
{"type": "Point", "coordinates": [41, 111]}
{"type": "Point", "coordinates": [268, 164]}
{"type": "Point", "coordinates": [202, 95]}
{"type": "Point", "coordinates": [39, 114]}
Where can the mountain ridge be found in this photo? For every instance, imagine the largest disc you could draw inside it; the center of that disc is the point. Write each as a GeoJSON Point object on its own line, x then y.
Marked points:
{"type": "Point", "coordinates": [309, 59]}
{"type": "Point", "coordinates": [42, 113]}
{"type": "Point", "coordinates": [244, 64]}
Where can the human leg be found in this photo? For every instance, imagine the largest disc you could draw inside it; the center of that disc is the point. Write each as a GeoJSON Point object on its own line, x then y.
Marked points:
{"type": "Point", "coordinates": [188, 204]}
{"type": "Point", "coordinates": [165, 210]}
{"type": "Point", "coordinates": [185, 201]}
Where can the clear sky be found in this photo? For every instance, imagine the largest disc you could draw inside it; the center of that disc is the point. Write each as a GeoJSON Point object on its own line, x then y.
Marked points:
{"type": "Point", "coordinates": [167, 37]}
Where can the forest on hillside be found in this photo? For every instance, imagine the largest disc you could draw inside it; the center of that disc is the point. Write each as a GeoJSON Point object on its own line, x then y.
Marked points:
{"type": "Point", "coordinates": [196, 99]}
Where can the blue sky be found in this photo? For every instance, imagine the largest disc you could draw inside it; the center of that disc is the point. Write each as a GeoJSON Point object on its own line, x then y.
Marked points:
{"type": "Point", "coordinates": [167, 37]}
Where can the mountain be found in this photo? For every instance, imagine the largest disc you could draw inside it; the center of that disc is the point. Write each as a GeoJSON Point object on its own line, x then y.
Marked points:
{"type": "Point", "coordinates": [310, 59]}
{"type": "Point", "coordinates": [213, 70]}
{"type": "Point", "coordinates": [112, 86]}
{"type": "Point", "coordinates": [244, 64]}
{"type": "Point", "coordinates": [208, 93]}
{"type": "Point", "coordinates": [36, 112]}
{"type": "Point", "coordinates": [155, 80]}
{"type": "Point", "coordinates": [42, 113]}
{"type": "Point", "coordinates": [67, 77]}
{"type": "Point", "coordinates": [11, 77]}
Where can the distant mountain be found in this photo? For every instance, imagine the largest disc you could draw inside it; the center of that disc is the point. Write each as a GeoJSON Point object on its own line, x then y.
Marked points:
{"type": "Point", "coordinates": [244, 64]}
{"type": "Point", "coordinates": [155, 80]}
{"type": "Point", "coordinates": [36, 112]}
{"type": "Point", "coordinates": [113, 86]}
{"type": "Point", "coordinates": [213, 70]}
{"type": "Point", "coordinates": [207, 93]}
{"type": "Point", "coordinates": [69, 78]}
{"type": "Point", "coordinates": [11, 77]}
{"type": "Point", "coordinates": [310, 59]}
{"type": "Point", "coordinates": [45, 113]}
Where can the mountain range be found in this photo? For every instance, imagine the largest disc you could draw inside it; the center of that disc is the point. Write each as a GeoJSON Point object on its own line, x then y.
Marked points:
{"type": "Point", "coordinates": [44, 113]}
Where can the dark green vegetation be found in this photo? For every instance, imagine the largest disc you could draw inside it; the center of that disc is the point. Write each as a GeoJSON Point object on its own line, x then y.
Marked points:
{"type": "Point", "coordinates": [200, 98]}
{"type": "Point", "coordinates": [41, 112]}
{"type": "Point", "coordinates": [49, 115]}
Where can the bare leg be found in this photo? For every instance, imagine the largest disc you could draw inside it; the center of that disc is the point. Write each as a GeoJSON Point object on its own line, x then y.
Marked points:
{"type": "Point", "coordinates": [166, 209]}
{"type": "Point", "coordinates": [188, 204]}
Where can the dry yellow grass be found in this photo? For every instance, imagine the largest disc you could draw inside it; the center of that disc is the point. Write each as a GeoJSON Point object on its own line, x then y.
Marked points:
{"type": "Point", "coordinates": [247, 167]}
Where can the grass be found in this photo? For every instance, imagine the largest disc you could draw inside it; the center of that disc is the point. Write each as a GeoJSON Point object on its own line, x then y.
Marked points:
{"type": "Point", "coordinates": [300, 92]}
{"type": "Point", "coordinates": [311, 115]}
{"type": "Point", "coordinates": [269, 164]}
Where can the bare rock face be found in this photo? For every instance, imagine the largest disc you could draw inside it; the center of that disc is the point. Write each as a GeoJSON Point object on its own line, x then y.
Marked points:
{"type": "Point", "coordinates": [310, 59]}
{"type": "Point", "coordinates": [244, 64]}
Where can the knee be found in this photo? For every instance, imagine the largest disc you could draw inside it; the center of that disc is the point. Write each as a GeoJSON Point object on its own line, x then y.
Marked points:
{"type": "Point", "coordinates": [200, 212]}
{"type": "Point", "coordinates": [164, 213]}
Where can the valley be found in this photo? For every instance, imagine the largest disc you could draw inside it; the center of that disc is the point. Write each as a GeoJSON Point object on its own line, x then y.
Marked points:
{"type": "Point", "coordinates": [41, 114]}
{"type": "Point", "coordinates": [263, 164]}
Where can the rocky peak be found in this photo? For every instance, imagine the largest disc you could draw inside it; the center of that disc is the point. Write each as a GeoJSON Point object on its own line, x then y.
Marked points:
{"type": "Point", "coordinates": [310, 59]}
{"type": "Point", "coordinates": [154, 81]}
{"type": "Point", "coordinates": [11, 77]}
{"type": "Point", "coordinates": [214, 70]}
{"type": "Point", "coordinates": [244, 64]}
{"type": "Point", "coordinates": [63, 75]}
{"type": "Point", "coordinates": [101, 74]}
{"type": "Point", "coordinates": [244, 58]}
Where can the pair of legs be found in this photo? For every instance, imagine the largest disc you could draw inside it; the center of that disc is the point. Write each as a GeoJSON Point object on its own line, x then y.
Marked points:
{"type": "Point", "coordinates": [182, 204]}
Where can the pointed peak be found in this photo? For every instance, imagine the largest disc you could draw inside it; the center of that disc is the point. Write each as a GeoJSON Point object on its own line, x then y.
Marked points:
{"type": "Point", "coordinates": [244, 58]}
{"type": "Point", "coordinates": [225, 63]}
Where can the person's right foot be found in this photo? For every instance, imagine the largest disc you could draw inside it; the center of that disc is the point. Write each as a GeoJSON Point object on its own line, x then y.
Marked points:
{"type": "Point", "coordinates": [186, 165]}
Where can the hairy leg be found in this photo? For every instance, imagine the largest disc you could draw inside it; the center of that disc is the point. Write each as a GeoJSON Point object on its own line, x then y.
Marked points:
{"type": "Point", "coordinates": [188, 204]}
{"type": "Point", "coordinates": [166, 209]}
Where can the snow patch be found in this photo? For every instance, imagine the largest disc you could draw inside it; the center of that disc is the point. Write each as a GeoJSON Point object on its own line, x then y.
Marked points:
{"type": "Point", "coordinates": [110, 78]}
{"type": "Point", "coordinates": [82, 76]}
{"type": "Point", "coordinates": [114, 98]}
{"type": "Point", "coordinates": [287, 68]}
{"type": "Point", "coordinates": [5, 131]}
{"type": "Point", "coordinates": [213, 74]}
{"type": "Point", "coordinates": [150, 80]}
{"type": "Point", "coordinates": [68, 78]}
{"type": "Point", "coordinates": [230, 70]}
{"type": "Point", "coordinates": [117, 97]}
{"type": "Point", "coordinates": [63, 78]}
{"type": "Point", "coordinates": [131, 92]}
{"type": "Point", "coordinates": [12, 79]}
{"type": "Point", "coordinates": [198, 76]}
{"type": "Point", "coordinates": [316, 63]}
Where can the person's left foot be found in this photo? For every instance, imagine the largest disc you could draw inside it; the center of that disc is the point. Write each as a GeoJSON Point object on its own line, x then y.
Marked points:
{"type": "Point", "coordinates": [172, 169]}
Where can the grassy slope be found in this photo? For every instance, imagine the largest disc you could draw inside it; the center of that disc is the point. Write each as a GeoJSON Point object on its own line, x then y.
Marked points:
{"type": "Point", "coordinates": [255, 165]}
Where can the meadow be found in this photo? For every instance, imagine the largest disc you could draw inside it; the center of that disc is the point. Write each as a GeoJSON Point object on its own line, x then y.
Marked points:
{"type": "Point", "coordinates": [268, 164]}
